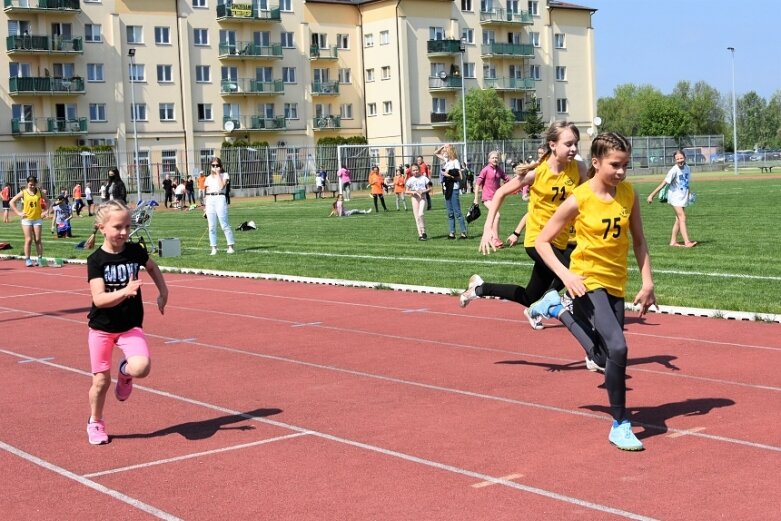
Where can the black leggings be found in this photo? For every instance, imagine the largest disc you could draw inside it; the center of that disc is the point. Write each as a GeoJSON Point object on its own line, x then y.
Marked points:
{"type": "Point", "coordinates": [542, 279]}
{"type": "Point", "coordinates": [382, 200]}
{"type": "Point", "coordinates": [597, 323]}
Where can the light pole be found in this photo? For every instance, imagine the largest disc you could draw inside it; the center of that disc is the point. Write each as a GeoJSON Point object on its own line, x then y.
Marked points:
{"type": "Point", "coordinates": [462, 48]}
{"type": "Point", "coordinates": [134, 115]}
{"type": "Point", "coordinates": [734, 115]}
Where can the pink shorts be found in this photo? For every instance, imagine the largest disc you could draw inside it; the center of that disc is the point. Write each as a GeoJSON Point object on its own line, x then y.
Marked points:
{"type": "Point", "coordinates": [101, 343]}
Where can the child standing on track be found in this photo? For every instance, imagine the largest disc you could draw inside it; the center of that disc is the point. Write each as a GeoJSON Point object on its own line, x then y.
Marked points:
{"type": "Point", "coordinates": [117, 312]}
{"type": "Point", "coordinates": [604, 210]}
{"type": "Point", "coordinates": [32, 214]}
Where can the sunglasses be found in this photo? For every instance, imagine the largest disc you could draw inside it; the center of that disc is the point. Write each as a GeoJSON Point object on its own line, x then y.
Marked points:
{"type": "Point", "coordinates": [216, 166]}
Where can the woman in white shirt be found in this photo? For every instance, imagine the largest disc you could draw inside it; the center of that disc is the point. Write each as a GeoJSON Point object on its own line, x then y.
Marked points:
{"type": "Point", "coordinates": [217, 206]}
{"type": "Point", "coordinates": [679, 197]}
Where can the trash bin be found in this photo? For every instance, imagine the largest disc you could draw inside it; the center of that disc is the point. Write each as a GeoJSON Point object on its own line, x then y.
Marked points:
{"type": "Point", "coordinates": [299, 194]}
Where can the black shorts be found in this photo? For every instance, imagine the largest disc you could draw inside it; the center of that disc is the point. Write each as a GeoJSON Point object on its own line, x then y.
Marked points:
{"type": "Point", "coordinates": [6, 205]}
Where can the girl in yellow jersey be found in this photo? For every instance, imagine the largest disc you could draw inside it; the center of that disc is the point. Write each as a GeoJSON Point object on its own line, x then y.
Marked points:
{"type": "Point", "coordinates": [551, 181]}
{"type": "Point", "coordinates": [32, 214]}
{"type": "Point", "coordinates": [605, 210]}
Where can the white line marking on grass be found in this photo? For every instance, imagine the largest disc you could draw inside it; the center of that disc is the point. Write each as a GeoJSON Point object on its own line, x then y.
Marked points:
{"type": "Point", "coordinates": [194, 455]}
{"type": "Point", "coordinates": [133, 502]}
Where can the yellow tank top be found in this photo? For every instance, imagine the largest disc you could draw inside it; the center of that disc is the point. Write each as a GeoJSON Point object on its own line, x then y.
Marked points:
{"type": "Point", "coordinates": [31, 205]}
{"type": "Point", "coordinates": [602, 229]}
{"type": "Point", "coordinates": [546, 194]}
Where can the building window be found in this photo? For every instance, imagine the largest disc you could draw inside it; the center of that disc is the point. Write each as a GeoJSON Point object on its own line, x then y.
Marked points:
{"type": "Point", "coordinates": [137, 72]}
{"type": "Point", "coordinates": [534, 8]}
{"type": "Point", "coordinates": [561, 73]}
{"type": "Point", "coordinates": [489, 36]}
{"type": "Point", "coordinates": [386, 72]}
{"type": "Point", "coordinates": [489, 71]}
{"type": "Point", "coordinates": [165, 74]}
{"type": "Point", "coordinates": [200, 4]}
{"type": "Point", "coordinates": [343, 41]}
{"type": "Point", "coordinates": [138, 112]}
{"type": "Point", "coordinates": [286, 6]}
{"type": "Point", "coordinates": [469, 70]}
{"type": "Point", "coordinates": [368, 40]}
{"type": "Point", "coordinates": [287, 40]}
{"type": "Point", "coordinates": [97, 112]}
{"type": "Point", "coordinates": [439, 105]}
{"type": "Point", "coordinates": [371, 109]}
{"type": "Point", "coordinates": [205, 112]}
{"type": "Point", "coordinates": [289, 74]}
{"type": "Point", "coordinates": [561, 105]}
{"type": "Point", "coordinates": [534, 72]}
{"type": "Point", "coordinates": [203, 74]}
{"type": "Point", "coordinates": [166, 112]}
{"type": "Point", "coordinates": [468, 35]}
{"type": "Point", "coordinates": [92, 33]}
{"type": "Point", "coordinates": [346, 111]}
{"type": "Point", "coordinates": [95, 72]}
{"type": "Point", "coordinates": [135, 34]}
{"type": "Point", "coordinates": [345, 76]}
{"type": "Point", "coordinates": [534, 39]}
{"type": "Point", "coordinates": [466, 5]}
{"type": "Point", "coordinates": [200, 37]}
{"type": "Point", "coordinates": [486, 6]}
{"type": "Point", "coordinates": [436, 33]}
{"type": "Point", "coordinates": [369, 75]}
{"type": "Point", "coordinates": [291, 110]}
{"type": "Point", "coordinates": [558, 41]}
{"type": "Point", "coordinates": [387, 107]}
{"type": "Point", "coordinates": [163, 35]}
{"type": "Point", "coordinates": [384, 37]}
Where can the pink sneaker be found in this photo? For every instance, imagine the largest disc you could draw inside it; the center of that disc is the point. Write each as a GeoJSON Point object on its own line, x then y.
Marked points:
{"type": "Point", "coordinates": [96, 432]}
{"type": "Point", "coordinates": [124, 385]}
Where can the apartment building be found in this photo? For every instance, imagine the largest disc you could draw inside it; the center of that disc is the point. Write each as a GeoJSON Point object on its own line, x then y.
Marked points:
{"type": "Point", "coordinates": [174, 80]}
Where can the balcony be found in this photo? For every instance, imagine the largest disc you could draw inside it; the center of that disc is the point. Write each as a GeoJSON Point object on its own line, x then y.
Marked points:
{"type": "Point", "coordinates": [509, 84]}
{"type": "Point", "coordinates": [326, 123]}
{"type": "Point", "coordinates": [49, 127]}
{"type": "Point", "coordinates": [46, 86]}
{"type": "Point", "coordinates": [257, 122]}
{"type": "Point", "coordinates": [247, 13]}
{"type": "Point", "coordinates": [245, 50]}
{"type": "Point", "coordinates": [502, 50]}
{"type": "Point", "coordinates": [520, 115]}
{"type": "Point", "coordinates": [323, 53]}
{"type": "Point", "coordinates": [325, 88]}
{"type": "Point", "coordinates": [30, 44]}
{"type": "Point", "coordinates": [251, 87]}
{"type": "Point", "coordinates": [443, 47]}
{"type": "Point", "coordinates": [439, 119]}
{"type": "Point", "coordinates": [448, 83]}
{"type": "Point", "coordinates": [505, 17]}
{"type": "Point", "coordinates": [42, 6]}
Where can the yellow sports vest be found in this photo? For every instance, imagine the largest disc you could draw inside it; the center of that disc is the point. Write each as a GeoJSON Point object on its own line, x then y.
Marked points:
{"type": "Point", "coordinates": [31, 205]}
{"type": "Point", "coordinates": [602, 229]}
{"type": "Point", "coordinates": [546, 194]}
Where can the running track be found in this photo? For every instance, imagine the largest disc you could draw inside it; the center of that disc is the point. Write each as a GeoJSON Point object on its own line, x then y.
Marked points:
{"type": "Point", "coordinates": [277, 400]}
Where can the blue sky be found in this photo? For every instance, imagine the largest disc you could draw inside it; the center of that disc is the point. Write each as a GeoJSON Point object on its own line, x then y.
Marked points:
{"type": "Point", "coordinates": [660, 42]}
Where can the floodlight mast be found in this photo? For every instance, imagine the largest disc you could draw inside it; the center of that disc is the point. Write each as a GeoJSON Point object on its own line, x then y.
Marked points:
{"type": "Point", "coordinates": [734, 115]}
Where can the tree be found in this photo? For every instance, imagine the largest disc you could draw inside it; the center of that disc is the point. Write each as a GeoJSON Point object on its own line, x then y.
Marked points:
{"type": "Point", "coordinates": [487, 117]}
{"type": "Point", "coordinates": [532, 123]}
{"type": "Point", "coordinates": [663, 116]}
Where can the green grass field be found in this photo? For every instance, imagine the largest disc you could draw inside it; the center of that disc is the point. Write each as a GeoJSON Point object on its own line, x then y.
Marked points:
{"type": "Point", "coordinates": [735, 266]}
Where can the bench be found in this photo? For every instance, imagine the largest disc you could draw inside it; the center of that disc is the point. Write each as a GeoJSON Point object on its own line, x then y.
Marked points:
{"type": "Point", "coordinates": [295, 191]}
{"type": "Point", "coordinates": [330, 187]}
{"type": "Point", "coordinates": [766, 168]}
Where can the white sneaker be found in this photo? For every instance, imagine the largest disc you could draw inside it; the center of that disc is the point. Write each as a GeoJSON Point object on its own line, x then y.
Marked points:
{"type": "Point", "coordinates": [593, 366]}
{"type": "Point", "coordinates": [534, 322]}
{"type": "Point", "coordinates": [231, 250]}
{"type": "Point", "coordinates": [468, 295]}
{"type": "Point", "coordinates": [214, 251]}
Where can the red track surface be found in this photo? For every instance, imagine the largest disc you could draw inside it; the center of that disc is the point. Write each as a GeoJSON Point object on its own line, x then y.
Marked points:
{"type": "Point", "coordinates": [271, 400]}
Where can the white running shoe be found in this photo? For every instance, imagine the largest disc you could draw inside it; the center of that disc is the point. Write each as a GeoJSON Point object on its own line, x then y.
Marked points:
{"type": "Point", "coordinates": [534, 322]}
{"type": "Point", "coordinates": [593, 366]}
{"type": "Point", "coordinates": [468, 295]}
{"type": "Point", "coordinates": [214, 251]}
{"type": "Point", "coordinates": [231, 250]}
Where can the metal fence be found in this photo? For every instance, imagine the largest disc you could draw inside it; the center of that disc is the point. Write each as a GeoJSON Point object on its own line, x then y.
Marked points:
{"type": "Point", "coordinates": [253, 170]}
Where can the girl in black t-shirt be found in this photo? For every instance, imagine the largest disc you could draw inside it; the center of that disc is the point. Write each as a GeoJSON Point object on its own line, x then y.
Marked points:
{"type": "Point", "coordinates": [117, 311]}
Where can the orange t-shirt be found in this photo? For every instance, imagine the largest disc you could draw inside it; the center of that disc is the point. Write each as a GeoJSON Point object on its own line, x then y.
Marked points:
{"type": "Point", "coordinates": [376, 181]}
{"type": "Point", "coordinates": [77, 192]}
{"type": "Point", "coordinates": [201, 182]}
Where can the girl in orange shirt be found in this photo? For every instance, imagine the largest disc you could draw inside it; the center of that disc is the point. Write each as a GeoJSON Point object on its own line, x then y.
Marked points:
{"type": "Point", "coordinates": [399, 181]}
{"type": "Point", "coordinates": [376, 182]}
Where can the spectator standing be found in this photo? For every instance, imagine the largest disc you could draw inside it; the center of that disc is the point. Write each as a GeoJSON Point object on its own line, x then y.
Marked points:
{"type": "Point", "coordinates": [679, 197]}
{"type": "Point", "coordinates": [451, 187]}
{"type": "Point", "coordinates": [189, 190]}
{"type": "Point", "coordinates": [344, 181]}
{"type": "Point", "coordinates": [399, 180]}
{"type": "Point", "coordinates": [115, 189]}
{"type": "Point", "coordinates": [168, 191]}
{"type": "Point", "coordinates": [89, 199]}
{"type": "Point", "coordinates": [201, 186]}
{"type": "Point", "coordinates": [376, 183]}
{"type": "Point", "coordinates": [5, 195]}
{"type": "Point", "coordinates": [78, 203]}
{"type": "Point", "coordinates": [217, 206]}
{"type": "Point", "coordinates": [416, 188]}
{"type": "Point", "coordinates": [425, 171]}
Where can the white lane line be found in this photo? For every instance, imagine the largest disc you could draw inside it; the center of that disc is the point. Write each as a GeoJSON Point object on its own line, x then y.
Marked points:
{"type": "Point", "coordinates": [686, 432]}
{"type": "Point", "coordinates": [44, 359]}
{"type": "Point", "coordinates": [484, 484]}
{"type": "Point", "coordinates": [133, 502]}
{"type": "Point", "coordinates": [194, 455]}
{"type": "Point", "coordinates": [306, 324]}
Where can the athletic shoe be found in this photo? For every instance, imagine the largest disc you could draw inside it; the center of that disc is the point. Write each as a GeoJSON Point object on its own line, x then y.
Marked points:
{"type": "Point", "coordinates": [621, 436]}
{"type": "Point", "coordinates": [28, 263]}
{"type": "Point", "coordinates": [566, 301]}
{"type": "Point", "coordinates": [462, 236]}
{"type": "Point", "coordinates": [214, 251]}
{"type": "Point", "coordinates": [40, 262]}
{"type": "Point", "coordinates": [124, 385]}
{"type": "Point", "coordinates": [370, 210]}
{"type": "Point", "coordinates": [231, 250]}
{"type": "Point", "coordinates": [534, 322]}
{"type": "Point", "coordinates": [96, 433]}
{"type": "Point", "coordinates": [541, 308]}
{"type": "Point", "coordinates": [468, 295]}
{"type": "Point", "coordinates": [593, 366]}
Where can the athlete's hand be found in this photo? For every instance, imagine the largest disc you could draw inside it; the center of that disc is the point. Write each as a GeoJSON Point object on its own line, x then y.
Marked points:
{"type": "Point", "coordinates": [512, 240]}
{"type": "Point", "coordinates": [162, 300]}
{"type": "Point", "coordinates": [131, 290]}
{"type": "Point", "coordinates": [574, 284]}
{"type": "Point", "coordinates": [645, 298]}
{"type": "Point", "coordinates": [488, 242]}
